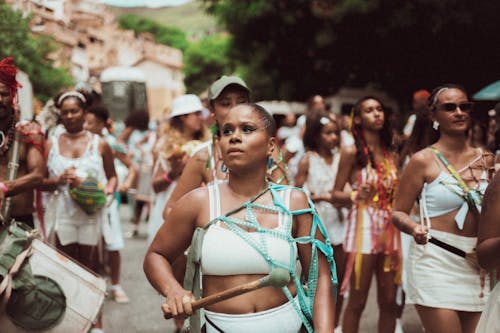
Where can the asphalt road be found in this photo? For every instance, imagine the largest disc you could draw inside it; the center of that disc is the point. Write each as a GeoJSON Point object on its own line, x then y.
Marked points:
{"type": "Point", "coordinates": [143, 314]}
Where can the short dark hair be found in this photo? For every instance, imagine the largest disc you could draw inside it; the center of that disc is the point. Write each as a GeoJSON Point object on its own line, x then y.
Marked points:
{"type": "Point", "coordinates": [138, 119]}
{"type": "Point", "coordinates": [266, 117]}
{"type": "Point", "coordinates": [100, 112]}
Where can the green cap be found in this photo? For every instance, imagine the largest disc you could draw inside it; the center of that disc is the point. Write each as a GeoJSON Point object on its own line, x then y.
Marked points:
{"type": "Point", "coordinates": [218, 86]}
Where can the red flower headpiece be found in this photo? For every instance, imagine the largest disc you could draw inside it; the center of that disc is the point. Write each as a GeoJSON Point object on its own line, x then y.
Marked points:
{"type": "Point", "coordinates": [8, 73]}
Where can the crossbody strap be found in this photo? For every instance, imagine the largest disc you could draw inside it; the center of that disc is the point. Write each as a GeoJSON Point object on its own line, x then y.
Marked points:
{"type": "Point", "coordinates": [451, 169]}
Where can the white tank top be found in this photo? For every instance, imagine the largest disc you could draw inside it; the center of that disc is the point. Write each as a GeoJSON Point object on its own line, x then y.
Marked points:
{"type": "Point", "coordinates": [226, 253]}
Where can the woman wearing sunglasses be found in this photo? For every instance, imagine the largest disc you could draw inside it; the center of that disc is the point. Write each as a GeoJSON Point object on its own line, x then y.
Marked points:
{"type": "Point", "coordinates": [445, 283]}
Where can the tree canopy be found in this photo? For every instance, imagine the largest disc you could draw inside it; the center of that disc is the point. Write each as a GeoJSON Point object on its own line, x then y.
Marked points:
{"type": "Point", "coordinates": [297, 48]}
{"type": "Point", "coordinates": [205, 61]}
{"type": "Point", "coordinates": [30, 53]}
{"type": "Point", "coordinates": [173, 37]}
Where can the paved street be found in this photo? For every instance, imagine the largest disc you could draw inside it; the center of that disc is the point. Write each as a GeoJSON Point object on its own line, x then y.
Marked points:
{"type": "Point", "coordinates": [143, 314]}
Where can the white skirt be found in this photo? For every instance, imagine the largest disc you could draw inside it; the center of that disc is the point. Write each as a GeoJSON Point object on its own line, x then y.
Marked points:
{"type": "Point", "coordinates": [283, 319]}
{"type": "Point", "coordinates": [490, 318]}
{"type": "Point", "coordinates": [441, 279]}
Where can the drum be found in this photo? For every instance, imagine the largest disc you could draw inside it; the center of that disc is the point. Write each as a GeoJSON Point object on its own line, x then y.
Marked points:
{"type": "Point", "coordinates": [83, 294]}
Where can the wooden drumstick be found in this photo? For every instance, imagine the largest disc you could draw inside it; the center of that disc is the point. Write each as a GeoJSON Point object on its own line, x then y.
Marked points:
{"type": "Point", "coordinates": [277, 278]}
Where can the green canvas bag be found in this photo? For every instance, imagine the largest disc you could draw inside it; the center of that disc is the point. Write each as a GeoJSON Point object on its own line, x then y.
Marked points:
{"type": "Point", "coordinates": [32, 302]}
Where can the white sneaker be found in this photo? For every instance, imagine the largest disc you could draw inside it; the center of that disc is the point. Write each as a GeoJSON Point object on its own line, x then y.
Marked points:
{"type": "Point", "coordinates": [118, 294]}
{"type": "Point", "coordinates": [96, 330]}
{"type": "Point", "coordinates": [399, 326]}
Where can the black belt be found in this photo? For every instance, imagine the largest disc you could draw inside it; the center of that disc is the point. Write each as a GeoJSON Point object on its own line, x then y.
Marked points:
{"type": "Point", "coordinates": [447, 247]}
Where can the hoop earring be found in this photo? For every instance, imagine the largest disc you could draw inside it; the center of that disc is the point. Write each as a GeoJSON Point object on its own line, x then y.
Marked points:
{"type": "Point", "coordinates": [435, 125]}
{"type": "Point", "coordinates": [223, 168]}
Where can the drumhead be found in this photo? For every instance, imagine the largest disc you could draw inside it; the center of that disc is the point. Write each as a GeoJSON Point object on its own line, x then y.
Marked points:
{"type": "Point", "coordinates": [37, 307]}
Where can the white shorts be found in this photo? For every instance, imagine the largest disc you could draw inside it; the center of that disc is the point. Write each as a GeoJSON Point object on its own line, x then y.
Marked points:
{"type": "Point", "coordinates": [86, 233]}
{"type": "Point", "coordinates": [112, 227]}
{"type": "Point", "coordinates": [283, 319]}
{"type": "Point", "coordinates": [440, 279]}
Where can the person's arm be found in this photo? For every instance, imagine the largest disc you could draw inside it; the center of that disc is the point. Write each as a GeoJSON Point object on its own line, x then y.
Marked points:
{"type": "Point", "coordinates": [132, 171]}
{"type": "Point", "coordinates": [410, 186]}
{"type": "Point", "coordinates": [488, 239]}
{"type": "Point", "coordinates": [164, 177]}
{"type": "Point", "coordinates": [171, 240]}
{"type": "Point", "coordinates": [36, 169]}
{"type": "Point", "coordinates": [109, 167]}
{"type": "Point", "coordinates": [126, 134]}
{"type": "Point", "coordinates": [346, 166]}
{"type": "Point", "coordinates": [302, 171]}
{"type": "Point", "coordinates": [324, 300]}
{"type": "Point", "coordinates": [192, 177]}
{"type": "Point", "coordinates": [51, 184]}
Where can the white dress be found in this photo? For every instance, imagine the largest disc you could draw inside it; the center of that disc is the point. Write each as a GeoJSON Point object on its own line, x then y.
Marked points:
{"type": "Point", "coordinates": [320, 179]}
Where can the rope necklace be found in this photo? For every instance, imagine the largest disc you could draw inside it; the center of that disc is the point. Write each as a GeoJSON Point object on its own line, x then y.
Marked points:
{"type": "Point", "coordinates": [7, 139]}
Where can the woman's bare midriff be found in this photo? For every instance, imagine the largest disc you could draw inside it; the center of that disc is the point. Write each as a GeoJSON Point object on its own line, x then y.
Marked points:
{"type": "Point", "coordinates": [254, 301]}
{"type": "Point", "coordinates": [447, 223]}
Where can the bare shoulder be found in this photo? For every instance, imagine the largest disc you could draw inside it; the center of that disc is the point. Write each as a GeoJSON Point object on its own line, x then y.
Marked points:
{"type": "Point", "coordinates": [489, 158]}
{"type": "Point", "coordinates": [298, 199]}
{"type": "Point", "coordinates": [192, 202]}
{"type": "Point", "coordinates": [201, 155]}
{"type": "Point", "coordinates": [421, 158]}
{"type": "Point", "coordinates": [349, 151]}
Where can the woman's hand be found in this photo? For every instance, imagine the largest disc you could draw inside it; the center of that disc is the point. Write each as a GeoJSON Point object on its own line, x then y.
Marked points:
{"type": "Point", "coordinates": [177, 163]}
{"type": "Point", "coordinates": [420, 234]}
{"type": "Point", "coordinates": [69, 177]}
{"type": "Point", "coordinates": [178, 304]}
{"type": "Point", "coordinates": [365, 192]}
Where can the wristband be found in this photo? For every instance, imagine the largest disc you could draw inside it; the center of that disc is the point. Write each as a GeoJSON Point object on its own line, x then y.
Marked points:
{"type": "Point", "coordinates": [4, 187]}
{"type": "Point", "coordinates": [354, 196]}
{"type": "Point", "coordinates": [109, 189]}
{"type": "Point", "coordinates": [167, 178]}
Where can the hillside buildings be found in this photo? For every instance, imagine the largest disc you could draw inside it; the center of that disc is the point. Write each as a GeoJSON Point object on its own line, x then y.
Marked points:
{"type": "Point", "coordinates": [90, 41]}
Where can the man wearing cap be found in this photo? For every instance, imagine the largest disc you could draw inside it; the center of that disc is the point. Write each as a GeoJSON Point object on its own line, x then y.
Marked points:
{"type": "Point", "coordinates": [31, 161]}
{"type": "Point", "coordinates": [206, 165]}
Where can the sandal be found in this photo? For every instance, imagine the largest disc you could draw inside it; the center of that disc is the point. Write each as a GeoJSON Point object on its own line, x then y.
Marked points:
{"type": "Point", "coordinates": [118, 294]}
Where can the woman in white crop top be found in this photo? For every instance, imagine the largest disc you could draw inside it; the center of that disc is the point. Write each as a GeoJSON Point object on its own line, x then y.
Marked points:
{"type": "Point", "coordinates": [450, 177]}
{"type": "Point", "coordinates": [232, 252]}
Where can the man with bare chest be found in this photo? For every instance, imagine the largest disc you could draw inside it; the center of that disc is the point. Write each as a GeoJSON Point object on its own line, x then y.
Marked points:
{"type": "Point", "coordinates": [31, 160]}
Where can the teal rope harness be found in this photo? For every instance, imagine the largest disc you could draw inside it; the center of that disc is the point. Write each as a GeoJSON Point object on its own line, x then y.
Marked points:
{"type": "Point", "coordinates": [306, 289]}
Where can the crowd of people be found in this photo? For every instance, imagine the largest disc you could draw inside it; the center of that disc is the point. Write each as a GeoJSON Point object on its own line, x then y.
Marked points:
{"type": "Point", "coordinates": [307, 213]}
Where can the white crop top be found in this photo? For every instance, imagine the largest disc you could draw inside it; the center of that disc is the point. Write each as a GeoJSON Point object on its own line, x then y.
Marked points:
{"type": "Point", "coordinates": [226, 253]}
{"type": "Point", "coordinates": [444, 195]}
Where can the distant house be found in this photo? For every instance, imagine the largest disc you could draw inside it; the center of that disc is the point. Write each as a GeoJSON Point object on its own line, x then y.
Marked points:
{"type": "Point", "coordinates": [91, 41]}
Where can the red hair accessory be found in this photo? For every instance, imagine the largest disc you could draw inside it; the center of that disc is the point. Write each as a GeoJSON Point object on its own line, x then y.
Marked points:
{"type": "Point", "coordinates": [8, 73]}
{"type": "Point", "coordinates": [421, 94]}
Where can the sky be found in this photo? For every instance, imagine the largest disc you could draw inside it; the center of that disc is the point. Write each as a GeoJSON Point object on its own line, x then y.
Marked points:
{"type": "Point", "coordinates": [144, 3]}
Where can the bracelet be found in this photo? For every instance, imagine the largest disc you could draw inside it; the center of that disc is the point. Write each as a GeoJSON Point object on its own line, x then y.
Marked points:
{"type": "Point", "coordinates": [4, 187]}
{"type": "Point", "coordinates": [354, 196]}
{"type": "Point", "coordinates": [167, 178]}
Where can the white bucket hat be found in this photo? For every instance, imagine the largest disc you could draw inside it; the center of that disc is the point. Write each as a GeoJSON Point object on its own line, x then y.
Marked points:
{"type": "Point", "coordinates": [185, 104]}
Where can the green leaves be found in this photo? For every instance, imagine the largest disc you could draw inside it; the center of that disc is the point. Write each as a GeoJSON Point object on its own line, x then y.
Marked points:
{"type": "Point", "coordinates": [173, 37]}
{"type": "Point", "coordinates": [31, 53]}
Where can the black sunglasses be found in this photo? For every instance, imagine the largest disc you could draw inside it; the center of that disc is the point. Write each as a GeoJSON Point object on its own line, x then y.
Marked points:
{"type": "Point", "coordinates": [451, 107]}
